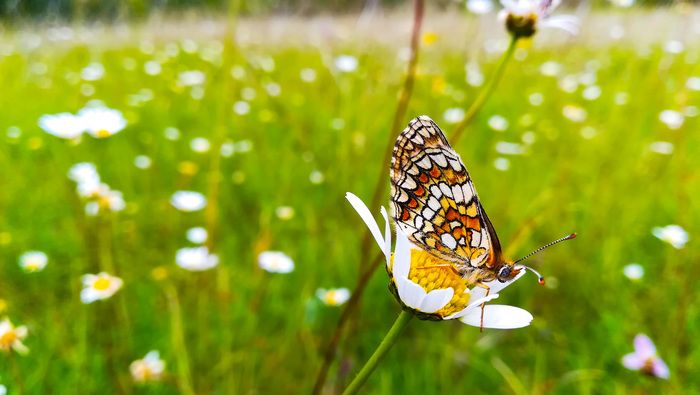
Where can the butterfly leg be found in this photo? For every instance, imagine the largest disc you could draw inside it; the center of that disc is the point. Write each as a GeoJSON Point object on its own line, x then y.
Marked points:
{"type": "Point", "coordinates": [446, 265]}
{"type": "Point", "coordinates": [483, 305]}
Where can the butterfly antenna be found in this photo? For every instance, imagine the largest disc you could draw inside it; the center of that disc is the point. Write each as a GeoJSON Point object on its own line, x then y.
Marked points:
{"type": "Point", "coordinates": [557, 241]}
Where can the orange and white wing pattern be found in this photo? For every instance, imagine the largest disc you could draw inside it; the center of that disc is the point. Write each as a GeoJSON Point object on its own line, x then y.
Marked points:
{"type": "Point", "coordinates": [434, 202]}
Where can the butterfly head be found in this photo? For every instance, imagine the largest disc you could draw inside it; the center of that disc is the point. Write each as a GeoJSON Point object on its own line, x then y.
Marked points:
{"type": "Point", "coordinates": [507, 272]}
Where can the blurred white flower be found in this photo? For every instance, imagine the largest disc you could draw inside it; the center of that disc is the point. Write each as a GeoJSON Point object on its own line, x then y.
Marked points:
{"type": "Point", "coordinates": [84, 172]}
{"type": "Point", "coordinates": [644, 358]}
{"type": "Point", "coordinates": [99, 286]}
{"type": "Point", "coordinates": [550, 68]}
{"type": "Point", "coordinates": [275, 262]}
{"type": "Point", "coordinates": [498, 123]}
{"type": "Point", "coordinates": [475, 77]}
{"type": "Point", "coordinates": [191, 78]}
{"type": "Point", "coordinates": [241, 107]}
{"type": "Point", "coordinates": [501, 164]}
{"type": "Point", "coordinates": [592, 92]}
{"type": "Point", "coordinates": [172, 133]}
{"type": "Point", "coordinates": [3, 390]}
{"type": "Point", "coordinates": [524, 17]}
{"type": "Point", "coordinates": [150, 368]}
{"type": "Point", "coordinates": [479, 7]}
{"type": "Point", "coordinates": [92, 72]}
{"type": "Point", "coordinates": [536, 99]}
{"type": "Point", "coordinates": [673, 119]}
{"type": "Point", "coordinates": [574, 113]}
{"type": "Point", "coordinates": [142, 162]}
{"type": "Point", "coordinates": [33, 261]}
{"type": "Point", "coordinates": [273, 89]}
{"type": "Point", "coordinates": [453, 115]}
{"type": "Point", "coordinates": [316, 177]}
{"type": "Point", "coordinates": [693, 83]}
{"type": "Point", "coordinates": [102, 122]}
{"type": "Point", "coordinates": [346, 63]}
{"type": "Point", "coordinates": [200, 145]}
{"type": "Point", "coordinates": [196, 259]}
{"type": "Point", "coordinates": [333, 296]}
{"type": "Point", "coordinates": [674, 47]}
{"type": "Point", "coordinates": [661, 147]}
{"type": "Point", "coordinates": [672, 234]}
{"type": "Point", "coordinates": [307, 75]}
{"type": "Point", "coordinates": [197, 235]}
{"type": "Point", "coordinates": [284, 212]}
{"type": "Point", "coordinates": [622, 3]}
{"type": "Point", "coordinates": [11, 337]}
{"type": "Point", "coordinates": [188, 201]}
{"type": "Point", "coordinates": [152, 67]}
{"type": "Point", "coordinates": [507, 148]}
{"type": "Point", "coordinates": [633, 271]}
{"type": "Point", "coordinates": [64, 125]}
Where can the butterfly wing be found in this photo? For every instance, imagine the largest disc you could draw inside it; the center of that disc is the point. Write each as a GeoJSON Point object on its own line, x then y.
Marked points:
{"type": "Point", "coordinates": [433, 200]}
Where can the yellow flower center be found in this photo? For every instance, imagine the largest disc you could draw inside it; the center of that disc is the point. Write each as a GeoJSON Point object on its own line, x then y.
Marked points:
{"type": "Point", "coordinates": [101, 284]}
{"type": "Point", "coordinates": [331, 298]}
{"type": "Point", "coordinates": [103, 133]}
{"type": "Point", "coordinates": [7, 339]}
{"type": "Point", "coordinates": [433, 273]}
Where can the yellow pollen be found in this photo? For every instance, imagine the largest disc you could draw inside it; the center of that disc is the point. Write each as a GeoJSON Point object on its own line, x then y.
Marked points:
{"type": "Point", "coordinates": [101, 284]}
{"type": "Point", "coordinates": [7, 339]}
{"type": "Point", "coordinates": [103, 133]}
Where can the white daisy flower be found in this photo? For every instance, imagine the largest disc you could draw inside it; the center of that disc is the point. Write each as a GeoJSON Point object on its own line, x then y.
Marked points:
{"type": "Point", "coordinates": [101, 122]}
{"type": "Point", "coordinates": [188, 201]}
{"type": "Point", "coordinates": [84, 172]}
{"type": "Point", "coordinates": [524, 17]}
{"type": "Point", "coordinates": [672, 234]}
{"type": "Point", "coordinates": [479, 7]}
{"type": "Point", "coordinates": [346, 63]}
{"type": "Point", "coordinates": [191, 78]}
{"type": "Point", "coordinates": [284, 213]}
{"type": "Point", "coordinates": [196, 259]}
{"type": "Point", "coordinates": [64, 125]}
{"type": "Point", "coordinates": [673, 119]}
{"type": "Point", "coordinates": [455, 300]}
{"type": "Point", "coordinates": [200, 145]}
{"type": "Point", "coordinates": [11, 337]}
{"type": "Point", "coordinates": [333, 296]}
{"type": "Point", "coordinates": [150, 368]}
{"type": "Point", "coordinates": [99, 286]}
{"type": "Point", "coordinates": [33, 261]}
{"type": "Point", "coordinates": [453, 115]}
{"type": "Point", "coordinates": [633, 271]}
{"type": "Point", "coordinates": [275, 262]}
{"type": "Point", "coordinates": [197, 235]}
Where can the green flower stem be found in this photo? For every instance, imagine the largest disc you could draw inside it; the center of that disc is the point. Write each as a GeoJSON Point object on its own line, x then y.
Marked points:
{"type": "Point", "coordinates": [388, 341]}
{"type": "Point", "coordinates": [485, 92]}
{"type": "Point", "coordinates": [177, 338]}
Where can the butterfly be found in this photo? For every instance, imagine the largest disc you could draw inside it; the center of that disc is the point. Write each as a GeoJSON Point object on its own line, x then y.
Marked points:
{"type": "Point", "coordinates": [433, 201]}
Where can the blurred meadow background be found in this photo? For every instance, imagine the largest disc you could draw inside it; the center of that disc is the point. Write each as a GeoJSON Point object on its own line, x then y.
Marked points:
{"type": "Point", "coordinates": [213, 191]}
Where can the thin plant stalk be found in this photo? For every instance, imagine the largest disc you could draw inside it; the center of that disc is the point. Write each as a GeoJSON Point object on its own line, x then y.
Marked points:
{"type": "Point", "coordinates": [486, 92]}
{"type": "Point", "coordinates": [177, 338]}
{"type": "Point", "coordinates": [401, 321]}
{"type": "Point", "coordinates": [365, 269]}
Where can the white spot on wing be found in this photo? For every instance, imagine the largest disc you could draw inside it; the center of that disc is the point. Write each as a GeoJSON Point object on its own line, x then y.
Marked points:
{"type": "Point", "coordinates": [428, 213]}
{"type": "Point", "coordinates": [445, 189]}
{"type": "Point", "coordinates": [448, 241]}
{"type": "Point", "coordinates": [419, 222]}
{"type": "Point", "coordinates": [435, 191]}
{"type": "Point", "coordinates": [455, 165]}
{"type": "Point", "coordinates": [440, 159]}
{"type": "Point", "coordinates": [409, 183]}
{"type": "Point", "coordinates": [433, 203]}
{"type": "Point", "coordinates": [457, 193]}
{"type": "Point", "coordinates": [425, 163]}
{"type": "Point", "coordinates": [468, 193]}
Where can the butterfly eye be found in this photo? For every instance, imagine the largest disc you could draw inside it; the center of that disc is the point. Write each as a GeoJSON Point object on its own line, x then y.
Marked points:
{"type": "Point", "coordinates": [504, 273]}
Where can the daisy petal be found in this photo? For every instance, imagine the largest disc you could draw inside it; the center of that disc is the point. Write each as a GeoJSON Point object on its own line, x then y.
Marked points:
{"type": "Point", "coordinates": [498, 317]}
{"type": "Point", "coordinates": [369, 220]}
{"type": "Point", "coordinates": [387, 233]}
{"type": "Point", "coordinates": [436, 299]}
{"type": "Point", "coordinates": [411, 294]}
{"type": "Point", "coordinates": [644, 346]}
{"type": "Point", "coordinates": [633, 361]}
{"type": "Point", "coordinates": [660, 369]}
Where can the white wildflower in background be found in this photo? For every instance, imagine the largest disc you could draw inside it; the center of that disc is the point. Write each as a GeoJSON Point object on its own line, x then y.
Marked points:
{"type": "Point", "coordinates": [200, 145]}
{"type": "Point", "coordinates": [693, 83]}
{"type": "Point", "coordinates": [501, 164]}
{"type": "Point", "coordinates": [498, 123]}
{"type": "Point", "coordinates": [474, 75]}
{"type": "Point", "coordinates": [275, 262]}
{"type": "Point", "coordinates": [333, 296]}
{"type": "Point", "coordinates": [197, 235]}
{"type": "Point", "coordinates": [674, 47]}
{"type": "Point", "coordinates": [507, 148]}
{"type": "Point", "coordinates": [672, 119]}
{"type": "Point", "coordinates": [645, 359]}
{"type": "Point", "coordinates": [633, 271]}
{"type": "Point", "coordinates": [524, 17]}
{"type": "Point", "coordinates": [11, 337]}
{"type": "Point", "coordinates": [453, 115]}
{"type": "Point", "coordinates": [188, 201]}
{"type": "Point", "coordinates": [150, 368]}
{"type": "Point", "coordinates": [479, 7]}
{"type": "Point", "coordinates": [92, 72]}
{"type": "Point", "coordinates": [99, 286]}
{"type": "Point", "coordinates": [101, 122]}
{"type": "Point", "coordinates": [661, 147]}
{"type": "Point", "coordinates": [284, 212]}
{"type": "Point", "coordinates": [171, 133]}
{"type": "Point", "coordinates": [33, 261]}
{"type": "Point", "coordinates": [196, 259]}
{"type": "Point", "coordinates": [536, 99]}
{"type": "Point", "coordinates": [622, 3]}
{"type": "Point", "coordinates": [64, 125]}
{"type": "Point", "coordinates": [191, 78]}
{"type": "Point", "coordinates": [142, 162]}
{"type": "Point", "coordinates": [672, 234]}
{"type": "Point", "coordinates": [152, 67]}
{"type": "Point", "coordinates": [307, 75]}
{"type": "Point", "coordinates": [550, 68]}
{"type": "Point", "coordinates": [418, 290]}
{"type": "Point", "coordinates": [3, 390]}
{"type": "Point", "coordinates": [591, 93]}
{"type": "Point", "coordinates": [574, 113]}
{"type": "Point", "coordinates": [241, 107]}
{"type": "Point", "coordinates": [316, 177]}
{"type": "Point", "coordinates": [346, 63]}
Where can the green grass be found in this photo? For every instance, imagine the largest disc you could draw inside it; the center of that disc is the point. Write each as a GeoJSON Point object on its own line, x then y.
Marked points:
{"type": "Point", "coordinates": [249, 331]}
